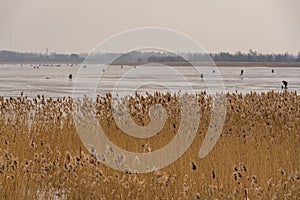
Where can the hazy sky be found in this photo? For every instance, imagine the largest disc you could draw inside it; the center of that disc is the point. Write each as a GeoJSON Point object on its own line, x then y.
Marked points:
{"type": "Point", "coordinates": [218, 25]}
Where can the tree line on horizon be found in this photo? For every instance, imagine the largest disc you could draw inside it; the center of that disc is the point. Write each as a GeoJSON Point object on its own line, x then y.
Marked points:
{"type": "Point", "coordinates": [138, 56]}
{"type": "Point", "coordinates": [12, 56]}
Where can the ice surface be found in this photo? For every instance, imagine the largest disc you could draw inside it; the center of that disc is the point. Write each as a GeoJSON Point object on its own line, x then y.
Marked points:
{"type": "Point", "coordinates": [53, 81]}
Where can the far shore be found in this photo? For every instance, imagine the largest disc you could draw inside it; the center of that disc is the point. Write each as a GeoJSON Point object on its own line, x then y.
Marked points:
{"type": "Point", "coordinates": [218, 64]}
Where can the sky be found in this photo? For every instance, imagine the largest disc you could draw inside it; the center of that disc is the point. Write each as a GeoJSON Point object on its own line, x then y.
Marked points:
{"type": "Point", "coordinates": [77, 26]}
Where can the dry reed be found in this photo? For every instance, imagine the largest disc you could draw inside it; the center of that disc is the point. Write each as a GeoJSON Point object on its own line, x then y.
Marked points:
{"type": "Point", "coordinates": [257, 156]}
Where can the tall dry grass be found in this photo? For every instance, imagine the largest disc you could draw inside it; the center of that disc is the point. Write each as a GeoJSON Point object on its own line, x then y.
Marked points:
{"type": "Point", "coordinates": [257, 156]}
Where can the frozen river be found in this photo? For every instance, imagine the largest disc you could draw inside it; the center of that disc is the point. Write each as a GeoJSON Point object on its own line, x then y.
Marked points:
{"type": "Point", "coordinates": [53, 81]}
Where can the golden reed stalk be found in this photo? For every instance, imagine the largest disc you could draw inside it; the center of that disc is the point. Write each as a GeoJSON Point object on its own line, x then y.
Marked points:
{"type": "Point", "coordinates": [257, 156]}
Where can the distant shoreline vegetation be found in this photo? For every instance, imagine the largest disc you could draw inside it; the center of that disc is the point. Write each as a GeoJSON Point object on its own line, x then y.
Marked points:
{"type": "Point", "coordinates": [23, 57]}
{"type": "Point", "coordinates": [146, 57]}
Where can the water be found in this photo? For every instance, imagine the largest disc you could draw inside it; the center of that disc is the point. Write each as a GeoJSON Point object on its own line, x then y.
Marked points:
{"type": "Point", "coordinates": [53, 81]}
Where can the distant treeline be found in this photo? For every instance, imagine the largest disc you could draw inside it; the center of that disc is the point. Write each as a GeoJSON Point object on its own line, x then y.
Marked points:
{"type": "Point", "coordinates": [138, 56]}
{"type": "Point", "coordinates": [11, 56]}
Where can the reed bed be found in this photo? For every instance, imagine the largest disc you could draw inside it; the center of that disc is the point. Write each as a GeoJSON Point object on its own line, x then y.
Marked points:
{"type": "Point", "coordinates": [256, 157]}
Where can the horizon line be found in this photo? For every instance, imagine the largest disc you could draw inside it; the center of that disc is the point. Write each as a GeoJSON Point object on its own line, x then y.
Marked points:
{"type": "Point", "coordinates": [212, 52]}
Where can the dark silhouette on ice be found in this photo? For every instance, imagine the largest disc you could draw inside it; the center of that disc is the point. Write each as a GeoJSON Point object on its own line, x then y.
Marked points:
{"type": "Point", "coordinates": [285, 84]}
